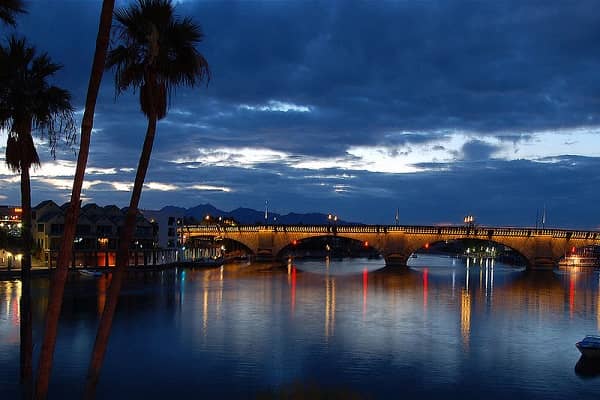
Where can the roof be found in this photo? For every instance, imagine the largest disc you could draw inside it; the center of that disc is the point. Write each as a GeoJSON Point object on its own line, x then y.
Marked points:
{"type": "Point", "coordinates": [43, 204]}
{"type": "Point", "coordinates": [49, 217]}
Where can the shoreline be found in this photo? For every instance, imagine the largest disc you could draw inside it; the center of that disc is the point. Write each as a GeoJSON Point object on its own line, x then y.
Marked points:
{"type": "Point", "coordinates": [43, 271]}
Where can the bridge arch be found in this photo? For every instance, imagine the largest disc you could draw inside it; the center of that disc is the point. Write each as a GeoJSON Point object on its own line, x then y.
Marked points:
{"type": "Point", "coordinates": [248, 243]}
{"type": "Point", "coordinates": [474, 248]}
{"type": "Point", "coordinates": [327, 244]}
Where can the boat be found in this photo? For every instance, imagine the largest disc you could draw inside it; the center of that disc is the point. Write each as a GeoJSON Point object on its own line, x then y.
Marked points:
{"type": "Point", "coordinates": [589, 347]}
{"type": "Point", "coordinates": [87, 272]}
{"type": "Point", "coordinates": [208, 262]}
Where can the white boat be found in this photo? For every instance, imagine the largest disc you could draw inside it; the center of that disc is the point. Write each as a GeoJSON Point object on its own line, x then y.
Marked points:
{"type": "Point", "coordinates": [589, 347]}
{"type": "Point", "coordinates": [87, 272]}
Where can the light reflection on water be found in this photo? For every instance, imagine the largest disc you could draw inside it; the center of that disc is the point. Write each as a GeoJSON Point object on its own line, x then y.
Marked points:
{"type": "Point", "coordinates": [344, 326]}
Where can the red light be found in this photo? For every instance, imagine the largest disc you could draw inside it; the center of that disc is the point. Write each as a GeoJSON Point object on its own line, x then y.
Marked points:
{"type": "Point", "coordinates": [573, 249]}
{"type": "Point", "coordinates": [426, 245]}
{"type": "Point", "coordinates": [366, 244]}
{"type": "Point", "coordinates": [295, 242]}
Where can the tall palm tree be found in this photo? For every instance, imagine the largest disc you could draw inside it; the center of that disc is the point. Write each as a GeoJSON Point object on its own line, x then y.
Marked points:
{"type": "Point", "coordinates": [64, 255]}
{"type": "Point", "coordinates": [155, 54]}
{"type": "Point", "coordinates": [29, 103]}
{"type": "Point", "coordinates": [8, 10]}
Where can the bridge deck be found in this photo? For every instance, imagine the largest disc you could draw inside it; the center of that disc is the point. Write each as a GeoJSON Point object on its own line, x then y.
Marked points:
{"type": "Point", "coordinates": [407, 229]}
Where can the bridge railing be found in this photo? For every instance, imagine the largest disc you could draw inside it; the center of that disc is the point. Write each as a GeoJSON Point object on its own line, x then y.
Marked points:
{"type": "Point", "coordinates": [407, 229]}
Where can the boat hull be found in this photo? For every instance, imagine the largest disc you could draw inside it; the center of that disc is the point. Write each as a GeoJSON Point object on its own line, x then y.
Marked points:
{"type": "Point", "coordinates": [85, 272]}
{"type": "Point", "coordinates": [589, 352]}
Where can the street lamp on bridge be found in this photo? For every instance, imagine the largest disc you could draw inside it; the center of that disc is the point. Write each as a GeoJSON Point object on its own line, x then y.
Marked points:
{"type": "Point", "coordinates": [469, 220]}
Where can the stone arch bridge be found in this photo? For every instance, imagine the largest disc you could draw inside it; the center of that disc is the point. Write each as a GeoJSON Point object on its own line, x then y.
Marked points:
{"type": "Point", "coordinates": [542, 248]}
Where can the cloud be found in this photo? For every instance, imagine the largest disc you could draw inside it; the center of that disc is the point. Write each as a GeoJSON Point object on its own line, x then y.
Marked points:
{"type": "Point", "coordinates": [442, 107]}
{"type": "Point", "coordinates": [101, 171]}
{"type": "Point", "coordinates": [477, 150]}
{"type": "Point", "coordinates": [211, 188]}
{"type": "Point", "coordinates": [163, 187]}
{"type": "Point", "coordinates": [276, 106]}
{"type": "Point", "coordinates": [233, 157]}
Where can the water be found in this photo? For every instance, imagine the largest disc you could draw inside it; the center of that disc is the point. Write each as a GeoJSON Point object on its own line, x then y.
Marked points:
{"type": "Point", "coordinates": [315, 328]}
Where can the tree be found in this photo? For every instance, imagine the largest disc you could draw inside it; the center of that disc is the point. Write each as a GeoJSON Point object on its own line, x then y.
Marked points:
{"type": "Point", "coordinates": [64, 255]}
{"type": "Point", "coordinates": [155, 53]}
{"type": "Point", "coordinates": [29, 103]}
{"type": "Point", "coordinates": [9, 9]}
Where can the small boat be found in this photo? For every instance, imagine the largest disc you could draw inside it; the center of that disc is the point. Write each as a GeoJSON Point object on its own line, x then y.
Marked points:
{"type": "Point", "coordinates": [87, 272]}
{"type": "Point", "coordinates": [208, 262]}
{"type": "Point", "coordinates": [589, 347]}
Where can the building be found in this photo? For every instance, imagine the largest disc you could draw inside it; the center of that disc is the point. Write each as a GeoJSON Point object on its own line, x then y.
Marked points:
{"type": "Point", "coordinates": [10, 236]}
{"type": "Point", "coordinates": [168, 222]}
{"type": "Point", "coordinates": [97, 236]}
{"type": "Point", "coordinates": [10, 219]}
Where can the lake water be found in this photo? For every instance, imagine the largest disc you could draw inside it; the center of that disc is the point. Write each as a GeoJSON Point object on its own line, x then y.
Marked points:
{"type": "Point", "coordinates": [323, 328]}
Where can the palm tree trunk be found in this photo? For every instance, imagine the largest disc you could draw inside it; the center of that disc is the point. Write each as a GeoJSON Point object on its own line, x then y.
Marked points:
{"type": "Point", "coordinates": [25, 306]}
{"type": "Point", "coordinates": [64, 256]}
{"type": "Point", "coordinates": [106, 320]}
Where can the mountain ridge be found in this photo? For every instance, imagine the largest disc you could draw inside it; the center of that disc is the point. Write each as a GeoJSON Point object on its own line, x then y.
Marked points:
{"type": "Point", "coordinates": [245, 215]}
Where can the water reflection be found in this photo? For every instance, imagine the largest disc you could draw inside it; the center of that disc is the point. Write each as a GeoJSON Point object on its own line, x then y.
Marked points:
{"type": "Point", "coordinates": [586, 368]}
{"type": "Point", "coordinates": [336, 267]}
{"type": "Point", "coordinates": [465, 317]}
{"type": "Point", "coordinates": [425, 288]}
{"type": "Point", "coordinates": [103, 284]}
{"type": "Point", "coordinates": [329, 306]}
{"type": "Point", "coordinates": [10, 296]}
{"type": "Point", "coordinates": [365, 291]}
{"type": "Point", "coordinates": [243, 329]}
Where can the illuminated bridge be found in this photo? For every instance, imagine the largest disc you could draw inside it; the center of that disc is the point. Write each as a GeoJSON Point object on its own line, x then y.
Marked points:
{"type": "Point", "coordinates": [541, 248]}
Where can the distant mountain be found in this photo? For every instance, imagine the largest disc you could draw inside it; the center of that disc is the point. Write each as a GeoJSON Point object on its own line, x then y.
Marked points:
{"type": "Point", "coordinates": [173, 210]}
{"type": "Point", "coordinates": [250, 216]}
{"type": "Point", "coordinates": [202, 210]}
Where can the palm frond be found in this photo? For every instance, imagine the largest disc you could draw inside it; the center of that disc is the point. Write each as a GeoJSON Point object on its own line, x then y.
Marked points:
{"type": "Point", "coordinates": [9, 9]}
{"type": "Point", "coordinates": [20, 152]}
{"type": "Point", "coordinates": [28, 103]}
{"type": "Point", "coordinates": [154, 51]}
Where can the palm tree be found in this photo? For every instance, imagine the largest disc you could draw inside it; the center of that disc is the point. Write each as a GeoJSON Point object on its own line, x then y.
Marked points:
{"type": "Point", "coordinates": [155, 54]}
{"type": "Point", "coordinates": [8, 9]}
{"type": "Point", "coordinates": [27, 103]}
{"type": "Point", "coordinates": [64, 255]}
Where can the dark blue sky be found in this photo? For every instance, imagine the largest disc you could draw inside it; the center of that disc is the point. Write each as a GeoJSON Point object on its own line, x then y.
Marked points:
{"type": "Point", "coordinates": [437, 108]}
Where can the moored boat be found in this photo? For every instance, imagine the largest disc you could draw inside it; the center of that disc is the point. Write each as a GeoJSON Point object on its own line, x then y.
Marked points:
{"type": "Point", "coordinates": [208, 261]}
{"type": "Point", "coordinates": [87, 272]}
{"type": "Point", "coordinates": [589, 347]}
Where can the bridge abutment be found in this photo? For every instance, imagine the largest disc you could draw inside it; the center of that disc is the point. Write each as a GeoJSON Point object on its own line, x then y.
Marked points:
{"type": "Point", "coordinates": [396, 260]}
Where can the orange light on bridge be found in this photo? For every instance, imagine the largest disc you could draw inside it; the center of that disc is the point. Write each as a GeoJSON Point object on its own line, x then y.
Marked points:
{"type": "Point", "coordinates": [426, 245]}
{"type": "Point", "coordinates": [18, 210]}
{"type": "Point", "coordinates": [294, 242]}
{"type": "Point", "coordinates": [573, 249]}
{"type": "Point", "coordinates": [366, 244]}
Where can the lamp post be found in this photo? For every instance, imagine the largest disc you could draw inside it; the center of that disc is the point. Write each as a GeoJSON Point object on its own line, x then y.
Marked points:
{"type": "Point", "coordinates": [469, 220]}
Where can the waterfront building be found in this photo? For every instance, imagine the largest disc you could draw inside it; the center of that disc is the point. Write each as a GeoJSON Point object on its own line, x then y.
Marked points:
{"type": "Point", "coordinates": [96, 238]}
{"type": "Point", "coordinates": [10, 219]}
{"type": "Point", "coordinates": [167, 222]}
{"type": "Point", "coordinates": [10, 236]}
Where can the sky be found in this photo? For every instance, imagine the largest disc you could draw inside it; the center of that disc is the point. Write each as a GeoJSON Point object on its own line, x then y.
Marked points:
{"type": "Point", "coordinates": [437, 109]}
